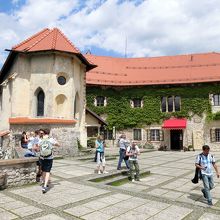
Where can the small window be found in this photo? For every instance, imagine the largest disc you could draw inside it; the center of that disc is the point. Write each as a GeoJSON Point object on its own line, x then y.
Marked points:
{"type": "Point", "coordinates": [217, 135]}
{"type": "Point", "coordinates": [100, 101]}
{"type": "Point", "coordinates": [61, 80]}
{"type": "Point", "coordinates": [216, 100]}
{"type": "Point", "coordinates": [137, 134]}
{"type": "Point", "coordinates": [40, 103]}
{"type": "Point", "coordinates": [108, 134]}
{"type": "Point", "coordinates": [154, 134]}
{"type": "Point", "coordinates": [92, 131]}
{"type": "Point", "coordinates": [137, 103]}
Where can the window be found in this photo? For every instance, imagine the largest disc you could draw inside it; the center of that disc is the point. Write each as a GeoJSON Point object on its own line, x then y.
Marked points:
{"type": "Point", "coordinates": [108, 135]}
{"type": "Point", "coordinates": [61, 80]}
{"type": "Point", "coordinates": [92, 131]}
{"type": "Point", "coordinates": [170, 104]}
{"type": "Point", "coordinates": [154, 134]}
{"type": "Point", "coordinates": [216, 99]}
{"type": "Point", "coordinates": [217, 135]}
{"type": "Point", "coordinates": [136, 103]}
{"type": "Point", "coordinates": [40, 103]}
{"type": "Point", "coordinates": [100, 101]}
{"type": "Point", "coordinates": [137, 134]}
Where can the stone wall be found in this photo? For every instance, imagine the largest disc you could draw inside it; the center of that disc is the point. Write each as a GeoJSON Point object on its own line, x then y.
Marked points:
{"type": "Point", "coordinates": [17, 172]}
{"type": "Point", "coordinates": [66, 135]}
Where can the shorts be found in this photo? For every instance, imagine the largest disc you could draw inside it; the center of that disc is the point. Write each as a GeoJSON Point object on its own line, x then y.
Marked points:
{"type": "Point", "coordinates": [100, 159]}
{"type": "Point", "coordinates": [46, 164]}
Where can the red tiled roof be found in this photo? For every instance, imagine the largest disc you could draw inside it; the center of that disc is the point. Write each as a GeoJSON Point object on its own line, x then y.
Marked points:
{"type": "Point", "coordinates": [26, 120]}
{"type": "Point", "coordinates": [174, 123]}
{"type": "Point", "coordinates": [193, 68]}
{"type": "Point", "coordinates": [47, 39]}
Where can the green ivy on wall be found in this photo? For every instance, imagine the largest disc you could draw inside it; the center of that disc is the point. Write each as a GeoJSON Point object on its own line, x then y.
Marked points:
{"type": "Point", "coordinates": [194, 100]}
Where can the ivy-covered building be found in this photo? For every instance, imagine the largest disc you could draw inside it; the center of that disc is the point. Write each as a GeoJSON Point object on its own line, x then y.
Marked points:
{"type": "Point", "coordinates": [171, 101]}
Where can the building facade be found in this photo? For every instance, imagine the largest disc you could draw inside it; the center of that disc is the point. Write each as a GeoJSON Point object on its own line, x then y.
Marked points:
{"type": "Point", "coordinates": [170, 102]}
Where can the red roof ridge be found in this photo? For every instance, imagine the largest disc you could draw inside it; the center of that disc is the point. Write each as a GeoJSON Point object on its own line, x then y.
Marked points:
{"type": "Point", "coordinates": [54, 39]}
{"type": "Point", "coordinates": [31, 37]}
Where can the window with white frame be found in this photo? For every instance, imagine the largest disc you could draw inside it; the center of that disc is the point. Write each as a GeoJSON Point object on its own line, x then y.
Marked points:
{"type": "Point", "coordinates": [154, 134]}
{"type": "Point", "coordinates": [216, 100]}
{"type": "Point", "coordinates": [136, 103]}
{"type": "Point", "coordinates": [137, 134]}
{"type": "Point", "coordinates": [100, 101]}
{"type": "Point", "coordinates": [170, 104]}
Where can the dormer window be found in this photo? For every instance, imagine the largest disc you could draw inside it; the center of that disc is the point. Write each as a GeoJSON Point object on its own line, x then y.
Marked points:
{"type": "Point", "coordinates": [136, 103]}
{"type": "Point", "coordinates": [100, 101]}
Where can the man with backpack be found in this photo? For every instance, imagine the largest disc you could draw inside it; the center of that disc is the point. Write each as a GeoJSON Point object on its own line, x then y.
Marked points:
{"type": "Point", "coordinates": [204, 163]}
{"type": "Point", "coordinates": [46, 157]}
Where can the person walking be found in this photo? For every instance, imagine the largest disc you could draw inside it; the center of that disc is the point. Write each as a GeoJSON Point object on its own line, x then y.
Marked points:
{"type": "Point", "coordinates": [133, 151]}
{"type": "Point", "coordinates": [100, 148]}
{"type": "Point", "coordinates": [46, 157]}
{"type": "Point", "coordinates": [204, 162]}
{"type": "Point", "coordinates": [123, 144]}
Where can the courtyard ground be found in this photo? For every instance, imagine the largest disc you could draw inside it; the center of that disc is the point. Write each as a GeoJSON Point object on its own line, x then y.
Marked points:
{"type": "Point", "coordinates": [166, 194]}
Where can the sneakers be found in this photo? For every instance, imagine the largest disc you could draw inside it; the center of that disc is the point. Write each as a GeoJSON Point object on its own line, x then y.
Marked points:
{"type": "Point", "coordinates": [44, 189]}
{"type": "Point", "coordinates": [204, 194]}
{"type": "Point", "coordinates": [105, 172]}
{"type": "Point", "coordinates": [138, 180]}
{"type": "Point", "coordinates": [99, 172]}
{"type": "Point", "coordinates": [210, 203]}
{"type": "Point", "coordinates": [132, 180]}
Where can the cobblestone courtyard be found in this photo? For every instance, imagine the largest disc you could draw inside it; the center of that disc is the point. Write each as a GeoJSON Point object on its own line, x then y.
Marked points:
{"type": "Point", "coordinates": [167, 193]}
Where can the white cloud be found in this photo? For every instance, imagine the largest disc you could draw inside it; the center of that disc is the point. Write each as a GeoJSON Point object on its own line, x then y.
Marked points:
{"type": "Point", "coordinates": [152, 27]}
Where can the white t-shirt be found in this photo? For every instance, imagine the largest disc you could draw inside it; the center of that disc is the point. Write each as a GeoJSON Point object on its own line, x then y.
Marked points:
{"type": "Point", "coordinates": [135, 150]}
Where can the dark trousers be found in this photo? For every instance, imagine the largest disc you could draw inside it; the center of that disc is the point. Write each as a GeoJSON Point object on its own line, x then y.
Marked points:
{"type": "Point", "coordinates": [122, 154]}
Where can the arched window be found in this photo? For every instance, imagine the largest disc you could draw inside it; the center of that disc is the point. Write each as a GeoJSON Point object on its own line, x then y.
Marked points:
{"type": "Point", "coordinates": [170, 103]}
{"type": "Point", "coordinates": [177, 103]}
{"type": "Point", "coordinates": [40, 103]}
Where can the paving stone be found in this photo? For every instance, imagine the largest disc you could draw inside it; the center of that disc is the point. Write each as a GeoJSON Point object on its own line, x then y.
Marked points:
{"type": "Point", "coordinates": [79, 210]}
{"type": "Point", "coordinates": [96, 215]}
{"type": "Point", "coordinates": [209, 216]}
{"type": "Point", "coordinates": [25, 211]}
{"type": "Point", "coordinates": [50, 217]}
{"type": "Point", "coordinates": [7, 216]}
{"type": "Point", "coordinates": [172, 212]}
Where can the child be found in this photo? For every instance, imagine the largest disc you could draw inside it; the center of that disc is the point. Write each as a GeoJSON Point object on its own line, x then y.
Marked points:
{"type": "Point", "coordinates": [133, 151]}
{"type": "Point", "coordinates": [99, 143]}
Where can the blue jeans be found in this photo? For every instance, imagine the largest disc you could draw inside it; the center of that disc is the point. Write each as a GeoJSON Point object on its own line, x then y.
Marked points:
{"type": "Point", "coordinates": [122, 154]}
{"type": "Point", "coordinates": [208, 183]}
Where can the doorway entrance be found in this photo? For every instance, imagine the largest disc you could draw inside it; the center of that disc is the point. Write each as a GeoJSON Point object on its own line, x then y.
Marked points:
{"type": "Point", "coordinates": [176, 139]}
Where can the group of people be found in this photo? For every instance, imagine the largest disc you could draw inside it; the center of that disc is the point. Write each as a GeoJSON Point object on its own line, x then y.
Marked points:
{"type": "Point", "coordinates": [39, 143]}
{"type": "Point", "coordinates": [127, 151]}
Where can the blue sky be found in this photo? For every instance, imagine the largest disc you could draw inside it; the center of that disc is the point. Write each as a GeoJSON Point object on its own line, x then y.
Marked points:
{"type": "Point", "coordinates": [150, 27]}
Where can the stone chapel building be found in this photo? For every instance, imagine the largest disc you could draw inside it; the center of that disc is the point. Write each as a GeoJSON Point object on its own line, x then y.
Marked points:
{"type": "Point", "coordinates": [42, 84]}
